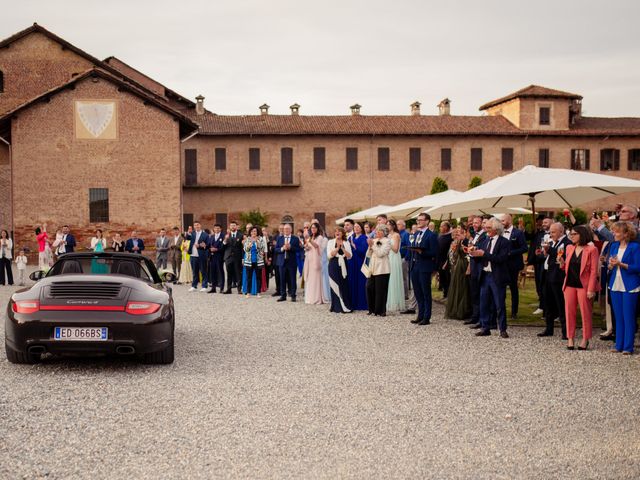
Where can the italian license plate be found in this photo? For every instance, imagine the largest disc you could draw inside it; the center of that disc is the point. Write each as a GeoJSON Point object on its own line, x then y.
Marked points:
{"type": "Point", "coordinates": [91, 334]}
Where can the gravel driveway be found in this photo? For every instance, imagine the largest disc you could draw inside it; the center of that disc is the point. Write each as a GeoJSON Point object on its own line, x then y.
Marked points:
{"type": "Point", "coordinates": [261, 389]}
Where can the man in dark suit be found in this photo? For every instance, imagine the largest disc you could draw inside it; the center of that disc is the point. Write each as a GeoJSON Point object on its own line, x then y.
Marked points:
{"type": "Point", "coordinates": [233, 253]}
{"type": "Point", "coordinates": [554, 280]}
{"type": "Point", "coordinates": [516, 263]}
{"type": "Point", "coordinates": [68, 243]}
{"type": "Point", "coordinates": [287, 247]}
{"type": "Point", "coordinates": [216, 259]}
{"type": "Point", "coordinates": [535, 259]}
{"type": "Point", "coordinates": [479, 237]}
{"type": "Point", "coordinates": [134, 244]}
{"type": "Point", "coordinates": [276, 259]}
{"type": "Point", "coordinates": [424, 251]}
{"type": "Point", "coordinates": [444, 244]}
{"type": "Point", "coordinates": [199, 254]}
{"type": "Point", "coordinates": [494, 277]}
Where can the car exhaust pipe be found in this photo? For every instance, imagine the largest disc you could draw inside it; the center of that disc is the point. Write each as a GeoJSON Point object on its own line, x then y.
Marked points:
{"type": "Point", "coordinates": [125, 350]}
{"type": "Point", "coordinates": [37, 350]}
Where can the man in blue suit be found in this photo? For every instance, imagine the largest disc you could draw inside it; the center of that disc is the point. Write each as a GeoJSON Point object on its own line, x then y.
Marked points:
{"type": "Point", "coordinates": [68, 243]}
{"type": "Point", "coordinates": [516, 263]}
{"type": "Point", "coordinates": [216, 258]}
{"type": "Point", "coordinates": [287, 247]}
{"type": "Point", "coordinates": [494, 277]}
{"type": "Point", "coordinates": [424, 251]}
{"type": "Point", "coordinates": [198, 252]}
{"type": "Point", "coordinates": [134, 244]}
{"type": "Point", "coordinates": [479, 237]}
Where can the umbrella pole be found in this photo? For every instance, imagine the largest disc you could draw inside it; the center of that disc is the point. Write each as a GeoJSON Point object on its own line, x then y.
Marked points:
{"type": "Point", "coordinates": [533, 213]}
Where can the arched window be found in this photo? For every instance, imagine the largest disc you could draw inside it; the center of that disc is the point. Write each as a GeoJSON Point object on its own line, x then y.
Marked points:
{"type": "Point", "coordinates": [288, 219]}
{"type": "Point", "coordinates": [1, 81]}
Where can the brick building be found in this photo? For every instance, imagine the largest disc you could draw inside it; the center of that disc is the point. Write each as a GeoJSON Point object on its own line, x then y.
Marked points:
{"type": "Point", "coordinates": [85, 142]}
{"type": "Point", "coordinates": [324, 166]}
{"type": "Point", "coordinates": [97, 143]}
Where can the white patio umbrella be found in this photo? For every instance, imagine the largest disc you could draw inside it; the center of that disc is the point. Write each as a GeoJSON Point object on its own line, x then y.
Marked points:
{"type": "Point", "coordinates": [367, 214]}
{"type": "Point", "coordinates": [534, 187]}
{"type": "Point", "coordinates": [414, 207]}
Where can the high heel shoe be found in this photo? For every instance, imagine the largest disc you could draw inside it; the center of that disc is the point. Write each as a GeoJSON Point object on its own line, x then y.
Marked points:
{"type": "Point", "coordinates": [571, 347]}
{"type": "Point", "coordinates": [586, 347]}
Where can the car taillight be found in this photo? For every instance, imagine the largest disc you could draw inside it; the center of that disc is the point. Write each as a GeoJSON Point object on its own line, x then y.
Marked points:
{"type": "Point", "coordinates": [26, 306]}
{"type": "Point", "coordinates": [142, 308]}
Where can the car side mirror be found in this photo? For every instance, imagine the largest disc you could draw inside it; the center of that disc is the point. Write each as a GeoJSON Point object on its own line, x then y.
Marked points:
{"type": "Point", "coordinates": [37, 275]}
{"type": "Point", "coordinates": [167, 277]}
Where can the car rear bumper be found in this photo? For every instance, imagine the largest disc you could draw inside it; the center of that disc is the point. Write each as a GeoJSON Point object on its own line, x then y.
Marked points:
{"type": "Point", "coordinates": [139, 335]}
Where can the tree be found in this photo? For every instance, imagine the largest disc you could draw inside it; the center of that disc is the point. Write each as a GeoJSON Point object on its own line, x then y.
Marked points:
{"type": "Point", "coordinates": [254, 217]}
{"type": "Point", "coordinates": [475, 181]}
{"type": "Point", "coordinates": [439, 185]}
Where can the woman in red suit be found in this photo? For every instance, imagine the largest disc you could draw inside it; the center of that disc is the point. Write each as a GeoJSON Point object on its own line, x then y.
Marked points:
{"type": "Point", "coordinates": [580, 283]}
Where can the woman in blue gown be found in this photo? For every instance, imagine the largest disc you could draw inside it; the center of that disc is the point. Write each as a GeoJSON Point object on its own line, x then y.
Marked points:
{"type": "Point", "coordinates": [357, 281]}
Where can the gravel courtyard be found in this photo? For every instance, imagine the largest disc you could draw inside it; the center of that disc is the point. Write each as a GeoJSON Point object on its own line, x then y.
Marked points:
{"type": "Point", "coordinates": [261, 389]}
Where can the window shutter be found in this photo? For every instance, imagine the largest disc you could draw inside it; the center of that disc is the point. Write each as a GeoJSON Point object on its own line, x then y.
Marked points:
{"type": "Point", "coordinates": [222, 219]}
{"type": "Point", "coordinates": [415, 160]}
{"type": "Point", "coordinates": [507, 159]}
{"type": "Point", "coordinates": [476, 159]}
{"type": "Point", "coordinates": [573, 159]}
{"type": "Point", "coordinates": [383, 158]}
{"type": "Point", "coordinates": [616, 159]}
{"type": "Point", "coordinates": [221, 158]}
{"type": "Point", "coordinates": [586, 160]}
{"type": "Point", "coordinates": [445, 159]}
{"type": "Point", "coordinates": [254, 159]}
{"type": "Point", "coordinates": [321, 217]}
{"type": "Point", "coordinates": [319, 158]}
{"type": "Point", "coordinates": [352, 158]}
{"type": "Point", "coordinates": [190, 166]}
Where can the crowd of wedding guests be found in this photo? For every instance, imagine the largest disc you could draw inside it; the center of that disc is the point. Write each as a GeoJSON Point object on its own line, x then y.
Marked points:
{"type": "Point", "coordinates": [382, 267]}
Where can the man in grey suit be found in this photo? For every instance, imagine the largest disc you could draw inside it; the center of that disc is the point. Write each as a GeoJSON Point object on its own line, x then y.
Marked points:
{"type": "Point", "coordinates": [162, 249]}
{"type": "Point", "coordinates": [175, 252]}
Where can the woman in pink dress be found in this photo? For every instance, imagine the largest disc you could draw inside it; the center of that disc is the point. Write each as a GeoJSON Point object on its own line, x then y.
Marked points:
{"type": "Point", "coordinates": [314, 245]}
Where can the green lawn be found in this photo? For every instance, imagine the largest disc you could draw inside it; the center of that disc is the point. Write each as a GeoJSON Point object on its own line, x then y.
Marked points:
{"type": "Point", "coordinates": [528, 303]}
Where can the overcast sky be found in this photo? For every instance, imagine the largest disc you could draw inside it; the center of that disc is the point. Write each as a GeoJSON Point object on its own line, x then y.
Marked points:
{"type": "Point", "coordinates": [327, 55]}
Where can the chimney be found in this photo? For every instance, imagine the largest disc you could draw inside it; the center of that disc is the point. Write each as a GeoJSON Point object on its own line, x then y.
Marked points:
{"type": "Point", "coordinates": [444, 107]}
{"type": "Point", "coordinates": [200, 105]}
{"type": "Point", "coordinates": [575, 111]}
{"type": "Point", "coordinates": [415, 108]}
{"type": "Point", "coordinates": [264, 109]}
{"type": "Point", "coordinates": [295, 109]}
{"type": "Point", "coordinates": [355, 109]}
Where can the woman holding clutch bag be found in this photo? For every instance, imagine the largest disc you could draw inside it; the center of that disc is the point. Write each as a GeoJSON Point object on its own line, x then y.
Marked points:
{"type": "Point", "coordinates": [338, 251]}
{"type": "Point", "coordinates": [378, 284]}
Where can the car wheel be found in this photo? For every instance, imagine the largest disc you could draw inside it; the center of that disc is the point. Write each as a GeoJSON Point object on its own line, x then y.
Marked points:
{"type": "Point", "coordinates": [161, 357]}
{"type": "Point", "coordinates": [19, 357]}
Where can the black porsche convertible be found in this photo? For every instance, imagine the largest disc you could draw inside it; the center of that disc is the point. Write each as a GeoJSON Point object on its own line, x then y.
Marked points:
{"type": "Point", "coordinates": [93, 303]}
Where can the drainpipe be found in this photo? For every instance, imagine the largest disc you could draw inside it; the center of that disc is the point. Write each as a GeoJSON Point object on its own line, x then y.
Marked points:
{"type": "Point", "coordinates": [371, 170]}
{"type": "Point", "coordinates": [11, 188]}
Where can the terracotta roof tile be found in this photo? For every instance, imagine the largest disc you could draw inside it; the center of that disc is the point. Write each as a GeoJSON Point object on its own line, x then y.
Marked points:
{"type": "Point", "coordinates": [187, 125]}
{"type": "Point", "coordinates": [597, 126]}
{"type": "Point", "coordinates": [212, 124]}
{"type": "Point", "coordinates": [532, 91]}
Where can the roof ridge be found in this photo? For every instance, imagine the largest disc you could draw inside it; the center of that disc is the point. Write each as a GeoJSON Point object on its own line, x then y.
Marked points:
{"type": "Point", "coordinates": [96, 70]}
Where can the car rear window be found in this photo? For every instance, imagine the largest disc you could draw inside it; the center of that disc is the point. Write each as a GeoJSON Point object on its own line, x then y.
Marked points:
{"type": "Point", "coordinates": [101, 266]}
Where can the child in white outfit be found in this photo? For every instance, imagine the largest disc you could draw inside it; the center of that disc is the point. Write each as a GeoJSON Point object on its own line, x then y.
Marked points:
{"type": "Point", "coordinates": [21, 262]}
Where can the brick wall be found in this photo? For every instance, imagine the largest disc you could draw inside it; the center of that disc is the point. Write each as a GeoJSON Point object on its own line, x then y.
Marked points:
{"type": "Point", "coordinates": [53, 171]}
{"type": "Point", "coordinates": [336, 190]}
{"type": "Point", "coordinates": [33, 65]}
